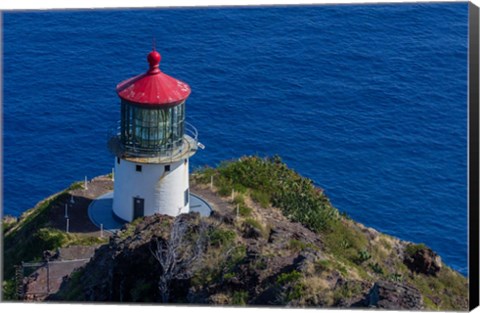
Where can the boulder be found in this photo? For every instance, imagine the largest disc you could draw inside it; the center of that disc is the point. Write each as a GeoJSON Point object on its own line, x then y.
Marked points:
{"type": "Point", "coordinates": [305, 259]}
{"type": "Point", "coordinates": [251, 232]}
{"type": "Point", "coordinates": [424, 260]}
{"type": "Point", "coordinates": [393, 296]}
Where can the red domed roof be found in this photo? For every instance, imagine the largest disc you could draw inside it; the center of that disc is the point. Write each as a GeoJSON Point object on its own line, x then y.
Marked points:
{"type": "Point", "coordinates": [153, 88]}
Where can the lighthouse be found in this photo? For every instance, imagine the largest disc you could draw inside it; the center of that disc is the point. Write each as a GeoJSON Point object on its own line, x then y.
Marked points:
{"type": "Point", "coordinates": [152, 144]}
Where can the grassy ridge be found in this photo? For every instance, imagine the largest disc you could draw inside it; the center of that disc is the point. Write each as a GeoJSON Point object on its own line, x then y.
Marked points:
{"type": "Point", "coordinates": [269, 182]}
{"type": "Point", "coordinates": [26, 239]}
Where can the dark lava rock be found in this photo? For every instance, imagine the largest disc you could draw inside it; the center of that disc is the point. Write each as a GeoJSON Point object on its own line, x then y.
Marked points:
{"type": "Point", "coordinates": [423, 261]}
{"type": "Point", "coordinates": [304, 258]}
{"type": "Point", "coordinates": [393, 296]}
{"type": "Point", "coordinates": [251, 232]}
{"type": "Point", "coordinates": [270, 296]}
{"type": "Point", "coordinates": [227, 219]}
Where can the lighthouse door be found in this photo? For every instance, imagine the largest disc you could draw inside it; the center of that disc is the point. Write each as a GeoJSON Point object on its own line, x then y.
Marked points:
{"type": "Point", "coordinates": [138, 207]}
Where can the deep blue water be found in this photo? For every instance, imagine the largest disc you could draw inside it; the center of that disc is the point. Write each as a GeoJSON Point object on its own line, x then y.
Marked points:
{"type": "Point", "coordinates": [370, 101]}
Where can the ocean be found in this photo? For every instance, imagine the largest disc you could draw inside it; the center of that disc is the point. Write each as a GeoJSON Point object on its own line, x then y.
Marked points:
{"type": "Point", "coordinates": [369, 101]}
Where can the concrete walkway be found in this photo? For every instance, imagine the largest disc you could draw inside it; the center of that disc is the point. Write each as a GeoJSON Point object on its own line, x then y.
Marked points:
{"type": "Point", "coordinates": [100, 211]}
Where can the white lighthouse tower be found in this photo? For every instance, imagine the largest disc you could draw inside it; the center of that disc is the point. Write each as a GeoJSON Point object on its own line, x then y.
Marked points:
{"type": "Point", "coordinates": [152, 145]}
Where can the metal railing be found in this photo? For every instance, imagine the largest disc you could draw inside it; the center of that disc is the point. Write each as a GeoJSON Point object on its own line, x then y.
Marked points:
{"type": "Point", "coordinates": [188, 143]}
{"type": "Point", "coordinates": [37, 280]}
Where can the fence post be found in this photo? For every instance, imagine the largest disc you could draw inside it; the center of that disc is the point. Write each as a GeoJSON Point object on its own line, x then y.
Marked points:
{"type": "Point", "coordinates": [48, 277]}
{"type": "Point", "coordinates": [101, 230]}
{"type": "Point", "coordinates": [233, 194]}
{"type": "Point", "coordinates": [86, 183]}
{"type": "Point", "coordinates": [19, 281]}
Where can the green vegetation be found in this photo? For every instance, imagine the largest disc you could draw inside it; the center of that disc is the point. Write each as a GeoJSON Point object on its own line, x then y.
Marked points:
{"type": "Point", "coordinates": [323, 265]}
{"type": "Point", "coordinates": [347, 291]}
{"type": "Point", "coordinates": [228, 276]}
{"type": "Point", "coordinates": [261, 197]}
{"type": "Point", "coordinates": [272, 181]}
{"type": "Point", "coordinates": [130, 228]}
{"type": "Point", "coordinates": [363, 255]}
{"type": "Point", "coordinates": [31, 233]}
{"type": "Point", "coordinates": [411, 249]}
{"type": "Point", "coordinates": [256, 224]}
{"type": "Point", "coordinates": [295, 289]}
{"type": "Point", "coordinates": [269, 182]}
{"type": "Point", "coordinates": [8, 290]}
{"type": "Point", "coordinates": [75, 291]}
{"type": "Point", "coordinates": [296, 292]}
{"type": "Point", "coordinates": [75, 186]}
{"type": "Point", "coordinates": [448, 289]}
{"type": "Point", "coordinates": [286, 278]}
{"type": "Point", "coordinates": [239, 199]}
{"type": "Point", "coordinates": [343, 249]}
{"type": "Point", "coordinates": [220, 237]}
{"type": "Point", "coordinates": [244, 211]}
{"type": "Point", "coordinates": [240, 297]}
{"type": "Point", "coordinates": [376, 268]}
{"type": "Point", "coordinates": [26, 239]}
{"type": "Point", "coordinates": [7, 223]}
{"type": "Point", "coordinates": [345, 241]}
{"type": "Point", "coordinates": [235, 257]}
{"type": "Point", "coordinates": [297, 245]}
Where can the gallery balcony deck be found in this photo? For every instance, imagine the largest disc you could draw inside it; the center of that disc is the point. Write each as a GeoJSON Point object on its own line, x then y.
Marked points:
{"type": "Point", "coordinates": [133, 153]}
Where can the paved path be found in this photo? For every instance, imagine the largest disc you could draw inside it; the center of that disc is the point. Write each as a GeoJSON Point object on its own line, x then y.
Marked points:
{"type": "Point", "coordinates": [100, 211]}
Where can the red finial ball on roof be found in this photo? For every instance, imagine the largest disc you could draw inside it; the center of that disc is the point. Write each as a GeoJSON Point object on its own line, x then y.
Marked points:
{"type": "Point", "coordinates": [154, 59]}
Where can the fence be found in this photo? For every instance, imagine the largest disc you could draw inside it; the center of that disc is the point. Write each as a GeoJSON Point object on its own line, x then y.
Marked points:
{"type": "Point", "coordinates": [38, 280]}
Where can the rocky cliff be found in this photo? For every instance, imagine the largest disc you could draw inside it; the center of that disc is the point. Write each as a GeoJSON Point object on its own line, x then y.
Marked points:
{"type": "Point", "coordinates": [276, 242]}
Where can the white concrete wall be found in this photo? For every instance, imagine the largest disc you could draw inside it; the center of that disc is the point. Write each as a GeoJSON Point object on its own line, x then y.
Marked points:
{"type": "Point", "coordinates": [163, 191]}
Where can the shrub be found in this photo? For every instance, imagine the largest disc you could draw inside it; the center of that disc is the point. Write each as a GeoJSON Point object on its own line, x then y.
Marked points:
{"type": "Point", "coordinates": [363, 255]}
{"type": "Point", "coordinates": [240, 297]}
{"type": "Point", "coordinates": [254, 223]}
{"type": "Point", "coordinates": [347, 291]}
{"type": "Point", "coordinates": [239, 199]}
{"type": "Point", "coordinates": [239, 188]}
{"type": "Point", "coordinates": [224, 190]}
{"type": "Point", "coordinates": [76, 186]}
{"type": "Point", "coordinates": [411, 249]}
{"type": "Point", "coordinates": [396, 277]}
{"type": "Point", "coordinates": [220, 237]}
{"type": "Point", "coordinates": [228, 276]}
{"type": "Point", "coordinates": [286, 278]}
{"type": "Point", "coordinates": [235, 257]}
{"type": "Point", "coordinates": [376, 268]}
{"type": "Point", "coordinates": [203, 175]}
{"type": "Point", "coordinates": [322, 265]}
{"type": "Point", "coordinates": [8, 290]}
{"type": "Point", "coordinates": [296, 245]}
{"type": "Point", "coordinates": [296, 292]}
{"type": "Point", "coordinates": [7, 223]}
{"type": "Point", "coordinates": [243, 210]}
